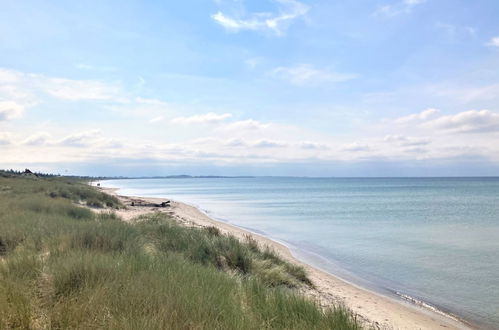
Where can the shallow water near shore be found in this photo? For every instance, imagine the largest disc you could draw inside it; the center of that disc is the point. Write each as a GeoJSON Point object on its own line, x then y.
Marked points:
{"type": "Point", "coordinates": [433, 239]}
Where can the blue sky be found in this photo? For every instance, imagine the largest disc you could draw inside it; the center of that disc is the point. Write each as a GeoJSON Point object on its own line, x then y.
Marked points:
{"type": "Point", "coordinates": [270, 87]}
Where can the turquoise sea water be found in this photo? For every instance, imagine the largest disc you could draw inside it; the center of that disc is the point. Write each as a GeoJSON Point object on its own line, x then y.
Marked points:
{"type": "Point", "coordinates": [434, 239]}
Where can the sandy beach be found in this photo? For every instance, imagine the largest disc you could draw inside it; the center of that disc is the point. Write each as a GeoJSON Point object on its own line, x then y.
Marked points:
{"type": "Point", "coordinates": [376, 310]}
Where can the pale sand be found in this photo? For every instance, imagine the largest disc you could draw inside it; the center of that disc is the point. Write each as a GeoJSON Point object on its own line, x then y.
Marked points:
{"type": "Point", "coordinates": [374, 309]}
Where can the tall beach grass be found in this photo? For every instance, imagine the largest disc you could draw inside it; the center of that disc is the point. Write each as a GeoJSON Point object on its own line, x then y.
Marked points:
{"type": "Point", "coordinates": [63, 266]}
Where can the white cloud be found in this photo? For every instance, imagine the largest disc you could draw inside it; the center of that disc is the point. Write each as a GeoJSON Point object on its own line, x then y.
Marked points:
{"type": "Point", "coordinates": [313, 146]}
{"type": "Point", "coordinates": [305, 74]}
{"type": "Point", "coordinates": [37, 139]}
{"type": "Point", "coordinates": [271, 145]}
{"type": "Point", "coordinates": [494, 42]}
{"type": "Point", "coordinates": [416, 150]}
{"type": "Point", "coordinates": [356, 147]}
{"type": "Point", "coordinates": [152, 110]}
{"type": "Point", "coordinates": [156, 119]}
{"type": "Point", "coordinates": [81, 139]}
{"type": "Point", "coordinates": [74, 90]}
{"type": "Point", "coordinates": [400, 7]}
{"type": "Point", "coordinates": [406, 141]}
{"type": "Point", "coordinates": [5, 138]}
{"type": "Point", "coordinates": [268, 144]}
{"type": "Point", "coordinates": [10, 110]}
{"type": "Point", "coordinates": [236, 143]}
{"type": "Point", "coordinates": [9, 76]}
{"type": "Point", "coordinates": [244, 125]}
{"type": "Point", "coordinates": [288, 10]}
{"type": "Point", "coordinates": [209, 118]}
{"type": "Point", "coordinates": [27, 88]}
{"type": "Point", "coordinates": [395, 138]}
{"type": "Point", "coordinates": [93, 140]}
{"type": "Point", "coordinates": [417, 117]}
{"type": "Point", "coordinates": [417, 142]}
{"type": "Point", "coordinates": [15, 95]}
{"type": "Point", "coordinates": [111, 143]}
{"type": "Point", "coordinates": [473, 121]}
{"type": "Point", "coordinates": [156, 102]}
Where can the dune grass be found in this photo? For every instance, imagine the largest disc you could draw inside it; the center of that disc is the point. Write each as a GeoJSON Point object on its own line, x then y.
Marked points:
{"type": "Point", "coordinates": [63, 266]}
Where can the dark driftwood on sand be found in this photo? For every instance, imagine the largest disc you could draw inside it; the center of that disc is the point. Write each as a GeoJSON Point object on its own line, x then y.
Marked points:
{"type": "Point", "coordinates": [145, 204]}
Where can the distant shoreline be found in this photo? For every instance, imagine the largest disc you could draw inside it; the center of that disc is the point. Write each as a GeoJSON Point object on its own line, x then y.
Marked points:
{"type": "Point", "coordinates": [185, 176]}
{"type": "Point", "coordinates": [383, 311]}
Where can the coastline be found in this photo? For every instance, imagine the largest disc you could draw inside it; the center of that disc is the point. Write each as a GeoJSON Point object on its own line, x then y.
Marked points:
{"type": "Point", "coordinates": [375, 309]}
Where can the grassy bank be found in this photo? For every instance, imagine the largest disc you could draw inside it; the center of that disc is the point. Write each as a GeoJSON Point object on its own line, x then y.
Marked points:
{"type": "Point", "coordinates": [65, 266]}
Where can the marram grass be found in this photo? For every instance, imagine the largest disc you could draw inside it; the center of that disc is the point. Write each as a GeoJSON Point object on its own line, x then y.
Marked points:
{"type": "Point", "coordinates": [63, 266]}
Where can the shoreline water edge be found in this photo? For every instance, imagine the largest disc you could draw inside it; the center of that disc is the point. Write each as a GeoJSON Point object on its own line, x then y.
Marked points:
{"type": "Point", "coordinates": [398, 311]}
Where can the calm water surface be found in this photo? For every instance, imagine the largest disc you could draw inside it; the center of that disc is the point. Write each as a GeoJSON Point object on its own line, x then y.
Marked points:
{"type": "Point", "coordinates": [434, 239]}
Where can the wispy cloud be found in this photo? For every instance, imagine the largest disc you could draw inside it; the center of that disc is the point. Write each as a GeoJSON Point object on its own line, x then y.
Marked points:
{"type": "Point", "coordinates": [397, 8]}
{"type": "Point", "coordinates": [473, 121]}
{"type": "Point", "coordinates": [305, 74]}
{"type": "Point", "coordinates": [454, 32]}
{"type": "Point", "coordinates": [37, 139]}
{"type": "Point", "coordinates": [75, 90]}
{"type": "Point", "coordinates": [275, 22]}
{"type": "Point", "coordinates": [269, 144]}
{"type": "Point", "coordinates": [15, 95]}
{"type": "Point", "coordinates": [209, 118]}
{"type": "Point", "coordinates": [236, 143]}
{"type": "Point", "coordinates": [81, 139]}
{"type": "Point", "coordinates": [244, 125]}
{"type": "Point", "coordinates": [313, 146]}
{"type": "Point", "coordinates": [417, 117]}
{"type": "Point", "coordinates": [5, 138]}
{"type": "Point", "coordinates": [494, 42]}
{"type": "Point", "coordinates": [156, 119]}
{"type": "Point", "coordinates": [253, 62]}
{"type": "Point", "coordinates": [10, 110]}
{"type": "Point", "coordinates": [20, 85]}
{"type": "Point", "coordinates": [93, 140]}
{"type": "Point", "coordinates": [356, 147]}
{"type": "Point", "coordinates": [156, 102]}
{"type": "Point", "coordinates": [406, 141]}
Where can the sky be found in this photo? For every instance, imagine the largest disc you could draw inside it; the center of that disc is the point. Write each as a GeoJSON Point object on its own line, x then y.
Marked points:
{"type": "Point", "coordinates": [260, 87]}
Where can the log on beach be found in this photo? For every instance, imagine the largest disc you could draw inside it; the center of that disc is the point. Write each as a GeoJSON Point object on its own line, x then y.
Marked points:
{"type": "Point", "coordinates": [146, 204]}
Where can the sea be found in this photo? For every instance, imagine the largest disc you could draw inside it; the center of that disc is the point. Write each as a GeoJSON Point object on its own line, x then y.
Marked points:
{"type": "Point", "coordinates": [432, 241]}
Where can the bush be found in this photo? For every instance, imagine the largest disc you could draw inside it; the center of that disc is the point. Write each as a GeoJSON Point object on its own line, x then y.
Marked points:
{"type": "Point", "coordinates": [79, 213]}
{"type": "Point", "coordinates": [92, 202]}
{"type": "Point", "coordinates": [79, 270]}
{"type": "Point", "coordinates": [213, 231]}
